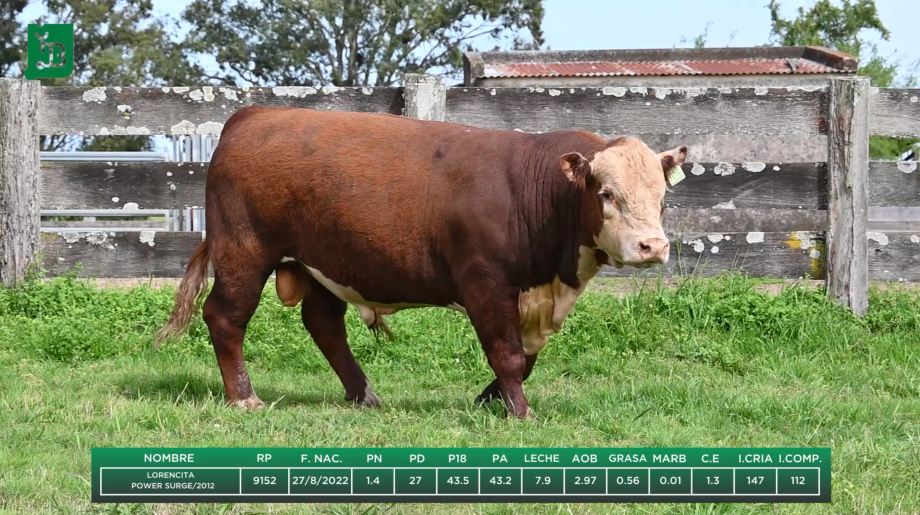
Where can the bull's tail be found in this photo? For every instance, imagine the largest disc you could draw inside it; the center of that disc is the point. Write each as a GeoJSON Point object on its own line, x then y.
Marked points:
{"type": "Point", "coordinates": [189, 295]}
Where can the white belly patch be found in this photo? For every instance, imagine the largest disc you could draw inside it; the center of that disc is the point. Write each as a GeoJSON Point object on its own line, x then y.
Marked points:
{"type": "Point", "coordinates": [543, 309]}
{"type": "Point", "coordinates": [371, 312]}
{"type": "Point", "coordinates": [368, 310]}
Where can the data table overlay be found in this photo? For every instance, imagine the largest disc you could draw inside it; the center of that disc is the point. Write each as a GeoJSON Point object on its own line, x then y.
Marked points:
{"type": "Point", "coordinates": [476, 474]}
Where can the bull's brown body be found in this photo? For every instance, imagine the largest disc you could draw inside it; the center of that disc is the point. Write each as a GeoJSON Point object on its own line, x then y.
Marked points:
{"type": "Point", "coordinates": [386, 212]}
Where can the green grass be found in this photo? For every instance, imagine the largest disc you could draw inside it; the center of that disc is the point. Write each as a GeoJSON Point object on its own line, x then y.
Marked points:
{"type": "Point", "coordinates": [710, 363]}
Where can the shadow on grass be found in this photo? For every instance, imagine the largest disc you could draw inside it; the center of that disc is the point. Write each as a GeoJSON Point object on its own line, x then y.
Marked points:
{"type": "Point", "coordinates": [176, 388]}
{"type": "Point", "coordinates": [181, 387]}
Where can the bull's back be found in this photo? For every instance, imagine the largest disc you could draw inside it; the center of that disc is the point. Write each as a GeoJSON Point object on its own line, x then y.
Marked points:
{"type": "Point", "coordinates": [348, 194]}
{"type": "Point", "coordinates": [299, 162]}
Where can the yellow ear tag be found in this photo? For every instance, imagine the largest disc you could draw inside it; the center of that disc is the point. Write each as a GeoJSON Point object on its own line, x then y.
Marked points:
{"type": "Point", "coordinates": [676, 175]}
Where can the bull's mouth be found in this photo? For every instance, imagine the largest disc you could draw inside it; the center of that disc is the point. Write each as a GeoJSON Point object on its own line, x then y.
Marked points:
{"type": "Point", "coordinates": [643, 265]}
{"type": "Point", "coordinates": [619, 263]}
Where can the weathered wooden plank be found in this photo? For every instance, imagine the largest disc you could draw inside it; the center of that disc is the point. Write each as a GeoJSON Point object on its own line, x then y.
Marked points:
{"type": "Point", "coordinates": [181, 110]}
{"type": "Point", "coordinates": [107, 254]}
{"type": "Point", "coordinates": [894, 184]}
{"type": "Point", "coordinates": [894, 214]}
{"type": "Point", "coordinates": [894, 256]}
{"type": "Point", "coordinates": [620, 110]}
{"type": "Point", "coordinates": [848, 197]}
{"type": "Point", "coordinates": [886, 227]}
{"type": "Point", "coordinates": [104, 225]}
{"type": "Point", "coordinates": [790, 255]}
{"type": "Point", "coordinates": [158, 185]}
{"type": "Point", "coordinates": [20, 195]}
{"type": "Point", "coordinates": [111, 254]}
{"type": "Point", "coordinates": [752, 185]}
{"type": "Point", "coordinates": [739, 148]}
{"type": "Point", "coordinates": [894, 112]}
{"type": "Point", "coordinates": [425, 96]}
{"type": "Point", "coordinates": [682, 220]}
{"type": "Point", "coordinates": [114, 185]}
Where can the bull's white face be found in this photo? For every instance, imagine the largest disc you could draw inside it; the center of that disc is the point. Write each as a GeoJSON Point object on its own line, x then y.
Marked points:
{"type": "Point", "coordinates": [629, 181]}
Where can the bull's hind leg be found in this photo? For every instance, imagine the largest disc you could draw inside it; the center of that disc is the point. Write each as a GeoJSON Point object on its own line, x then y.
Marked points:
{"type": "Point", "coordinates": [227, 311]}
{"type": "Point", "coordinates": [324, 318]}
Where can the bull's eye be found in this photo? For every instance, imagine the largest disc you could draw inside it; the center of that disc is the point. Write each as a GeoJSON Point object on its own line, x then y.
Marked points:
{"type": "Point", "coordinates": [606, 195]}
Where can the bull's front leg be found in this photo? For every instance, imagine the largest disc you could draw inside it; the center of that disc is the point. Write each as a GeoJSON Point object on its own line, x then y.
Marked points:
{"type": "Point", "coordinates": [496, 319]}
{"type": "Point", "coordinates": [491, 392]}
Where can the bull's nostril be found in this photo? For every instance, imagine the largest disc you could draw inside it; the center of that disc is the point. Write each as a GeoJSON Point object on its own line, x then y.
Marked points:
{"type": "Point", "coordinates": [644, 247]}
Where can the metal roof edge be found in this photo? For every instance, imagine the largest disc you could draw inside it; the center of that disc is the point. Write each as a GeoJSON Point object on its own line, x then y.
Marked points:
{"type": "Point", "coordinates": [475, 62]}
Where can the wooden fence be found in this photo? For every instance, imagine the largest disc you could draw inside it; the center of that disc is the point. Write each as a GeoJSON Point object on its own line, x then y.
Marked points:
{"type": "Point", "coordinates": [784, 220]}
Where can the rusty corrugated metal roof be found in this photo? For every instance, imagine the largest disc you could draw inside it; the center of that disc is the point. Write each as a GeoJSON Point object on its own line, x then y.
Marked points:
{"type": "Point", "coordinates": [765, 60]}
{"type": "Point", "coordinates": [660, 68]}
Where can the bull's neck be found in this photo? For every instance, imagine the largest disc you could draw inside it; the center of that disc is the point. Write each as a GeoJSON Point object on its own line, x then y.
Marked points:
{"type": "Point", "coordinates": [551, 209]}
{"type": "Point", "coordinates": [571, 261]}
{"type": "Point", "coordinates": [591, 258]}
{"type": "Point", "coordinates": [583, 248]}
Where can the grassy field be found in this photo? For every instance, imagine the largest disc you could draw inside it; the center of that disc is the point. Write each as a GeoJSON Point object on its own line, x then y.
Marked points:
{"type": "Point", "coordinates": [709, 363]}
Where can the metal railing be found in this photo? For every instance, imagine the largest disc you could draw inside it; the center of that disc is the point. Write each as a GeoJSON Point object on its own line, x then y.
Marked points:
{"type": "Point", "coordinates": [186, 149]}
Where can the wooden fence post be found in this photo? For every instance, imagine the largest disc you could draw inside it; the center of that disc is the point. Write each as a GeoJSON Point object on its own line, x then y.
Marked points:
{"type": "Point", "coordinates": [20, 196]}
{"type": "Point", "coordinates": [848, 199]}
{"type": "Point", "coordinates": [425, 97]}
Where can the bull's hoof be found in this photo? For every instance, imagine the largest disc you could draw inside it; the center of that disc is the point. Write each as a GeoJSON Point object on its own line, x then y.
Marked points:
{"type": "Point", "coordinates": [527, 414]}
{"type": "Point", "coordinates": [491, 393]}
{"type": "Point", "coordinates": [365, 399]}
{"type": "Point", "coordinates": [251, 404]}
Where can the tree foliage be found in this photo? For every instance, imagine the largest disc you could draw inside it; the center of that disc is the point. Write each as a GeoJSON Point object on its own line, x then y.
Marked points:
{"type": "Point", "coordinates": [116, 42]}
{"type": "Point", "coordinates": [11, 44]}
{"type": "Point", "coordinates": [273, 42]}
{"type": "Point", "coordinates": [841, 28]}
{"type": "Point", "coordinates": [351, 42]}
{"type": "Point", "coordinates": [826, 24]}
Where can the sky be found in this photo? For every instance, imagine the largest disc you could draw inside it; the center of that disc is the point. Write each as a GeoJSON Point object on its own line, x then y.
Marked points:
{"type": "Point", "coordinates": [584, 24]}
{"type": "Point", "coordinates": [615, 24]}
{"type": "Point", "coordinates": [612, 24]}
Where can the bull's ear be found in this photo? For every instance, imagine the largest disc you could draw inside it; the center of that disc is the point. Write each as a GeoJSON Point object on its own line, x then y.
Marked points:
{"type": "Point", "coordinates": [670, 159]}
{"type": "Point", "coordinates": [575, 166]}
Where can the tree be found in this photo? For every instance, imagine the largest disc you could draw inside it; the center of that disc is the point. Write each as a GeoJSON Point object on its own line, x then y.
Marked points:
{"type": "Point", "coordinates": [828, 25]}
{"type": "Point", "coordinates": [351, 42]}
{"type": "Point", "coordinates": [11, 43]}
{"type": "Point", "coordinates": [116, 42]}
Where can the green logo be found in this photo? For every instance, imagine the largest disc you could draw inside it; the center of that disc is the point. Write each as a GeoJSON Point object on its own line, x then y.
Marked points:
{"type": "Point", "coordinates": [50, 51]}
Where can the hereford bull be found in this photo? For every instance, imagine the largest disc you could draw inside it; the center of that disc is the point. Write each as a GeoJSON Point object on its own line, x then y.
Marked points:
{"type": "Point", "coordinates": [387, 213]}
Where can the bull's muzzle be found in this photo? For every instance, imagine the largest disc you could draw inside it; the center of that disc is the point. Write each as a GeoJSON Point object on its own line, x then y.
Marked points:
{"type": "Point", "coordinates": [651, 251]}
